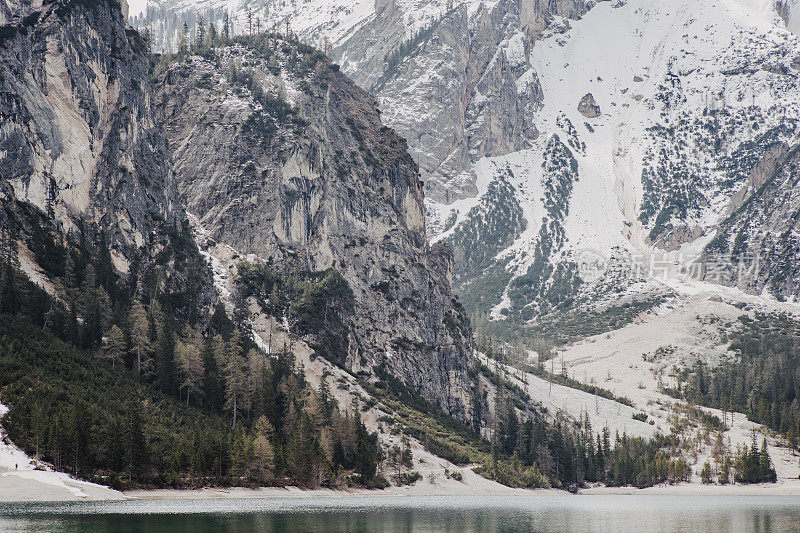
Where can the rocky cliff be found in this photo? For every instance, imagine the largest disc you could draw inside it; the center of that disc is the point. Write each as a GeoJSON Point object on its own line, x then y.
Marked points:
{"type": "Point", "coordinates": [282, 157]}
{"type": "Point", "coordinates": [756, 247]}
{"type": "Point", "coordinates": [78, 137]}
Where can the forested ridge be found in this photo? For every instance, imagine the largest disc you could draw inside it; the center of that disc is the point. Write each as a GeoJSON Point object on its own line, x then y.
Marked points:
{"type": "Point", "coordinates": [123, 382]}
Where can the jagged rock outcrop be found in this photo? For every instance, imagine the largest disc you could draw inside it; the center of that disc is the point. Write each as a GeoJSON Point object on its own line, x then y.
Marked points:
{"type": "Point", "coordinates": [78, 138]}
{"type": "Point", "coordinates": [77, 134]}
{"type": "Point", "coordinates": [278, 154]}
{"type": "Point", "coordinates": [14, 11]}
{"type": "Point", "coordinates": [455, 99]}
{"type": "Point", "coordinates": [588, 107]}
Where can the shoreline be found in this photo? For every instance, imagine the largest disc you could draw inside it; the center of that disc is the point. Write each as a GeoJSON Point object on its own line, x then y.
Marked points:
{"type": "Point", "coordinates": [33, 490]}
{"type": "Point", "coordinates": [294, 493]}
{"type": "Point", "coordinates": [782, 488]}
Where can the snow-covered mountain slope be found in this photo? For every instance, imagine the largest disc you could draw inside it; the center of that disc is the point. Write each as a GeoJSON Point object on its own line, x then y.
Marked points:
{"type": "Point", "coordinates": [314, 21]}
{"type": "Point", "coordinates": [639, 360]}
{"type": "Point", "coordinates": [698, 110]}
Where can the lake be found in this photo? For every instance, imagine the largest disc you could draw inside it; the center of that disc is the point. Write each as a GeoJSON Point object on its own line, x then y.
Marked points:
{"type": "Point", "coordinates": [547, 513]}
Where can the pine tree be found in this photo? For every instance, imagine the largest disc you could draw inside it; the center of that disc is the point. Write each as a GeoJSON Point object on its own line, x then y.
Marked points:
{"type": "Point", "coordinates": [367, 450]}
{"type": "Point", "coordinates": [725, 471]}
{"type": "Point", "coordinates": [257, 370]}
{"type": "Point", "coordinates": [104, 265]}
{"type": "Point", "coordinates": [226, 28]}
{"type": "Point", "coordinates": [50, 200]}
{"type": "Point", "coordinates": [70, 274]}
{"type": "Point", "coordinates": [72, 329]}
{"type": "Point", "coordinates": [213, 383]}
{"type": "Point", "coordinates": [315, 410]}
{"type": "Point", "coordinates": [115, 346]}
{"type": "Point", "coordinates": [705, 474]}
{"type": "Point", "coordinates": [164, 350]}
{"type": "Point", "coordinates": [93, 315]}
{"type": "Point", "coordinates": [241, 451]}
{"type": "Point", "coordinates": [263, 451]}
{"type": "Point", "coordinates": [80, 427]}
{"type": "Point", "coordinates": [235, 384]}
{"type": "Point", "coordinates": [140, 338]}
{"type": "Point", "coordinates": [9, 299]}
{"type": "Point", "coordinates": [212, 34]}
{"type": "Point", "coordinates": [183, 40]}
{"type": "Point", "coordinates": [200, 33]}
{"type": "Point", "coordinates": [766, 472]}
{"type": "Point", "coordinates": [136, 454]}
{"type": "Point", "coordinates": [275, 300]}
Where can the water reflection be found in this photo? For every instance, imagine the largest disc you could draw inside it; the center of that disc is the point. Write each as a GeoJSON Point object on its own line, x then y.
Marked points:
{"type": "Point", "coordinates": [431, 514]}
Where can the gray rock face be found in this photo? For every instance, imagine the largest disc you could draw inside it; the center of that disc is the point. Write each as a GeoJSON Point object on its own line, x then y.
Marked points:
{"type": "Point", "coordinates": [13, 11]}
{"type": "Point", "coordinates": [280, 155]}
{"type": "Point", "coordinates": [588, 107]}
{"type": "Point", "coordinates": [78, 140]}
{"type": "Point", "coordinates": [455, 99]}
{"type": "Point", "coordinates": [756, 248]}
{"type": "Point", "coordinates": [77, 135]}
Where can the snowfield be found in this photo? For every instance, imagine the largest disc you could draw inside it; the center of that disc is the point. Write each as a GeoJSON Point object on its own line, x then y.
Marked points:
{"type": "Point", "coordinates": [622, 53]}
{"type": "Point", "coordinates": [574, 403]}
{"type": "Point", "coordinates": [627, 362]}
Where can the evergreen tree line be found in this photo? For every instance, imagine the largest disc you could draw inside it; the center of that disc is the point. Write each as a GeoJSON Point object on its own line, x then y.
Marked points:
{"type": "Point", "coordinates": [753, 465]}
{"type": "Point", "coordinates": [762, 380]}
{"type": "Point", "coordinates": [744, 465]}
{"type": "Point", "coordinates": [570, 455]}
{"type": "Point", "coordinates": [192, 402]}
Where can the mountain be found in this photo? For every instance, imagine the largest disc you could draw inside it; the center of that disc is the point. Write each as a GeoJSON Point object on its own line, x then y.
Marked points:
{"type": "Point", "coordinates": [116, 163]}
{"type": "Point", "coordinates": [584, 160]}
{"type": "Point", "coordinates": [263, 263]}
{"type": "Point", "coordinates": [615, 178]}
{"type": "Point", "coordinates": [286, 160]}
{"type": "Point", "coordinates": [281, 157]}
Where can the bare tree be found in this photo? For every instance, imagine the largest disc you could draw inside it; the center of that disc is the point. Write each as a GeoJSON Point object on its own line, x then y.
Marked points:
{"type": "Point", "coordinates": [191, 368]}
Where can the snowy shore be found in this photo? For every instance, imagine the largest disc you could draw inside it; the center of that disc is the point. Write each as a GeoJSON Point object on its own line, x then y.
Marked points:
{"type": "Point", "coordinates": [15, 488]}
{"type": "Point", "coordinates": [782, 488]}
